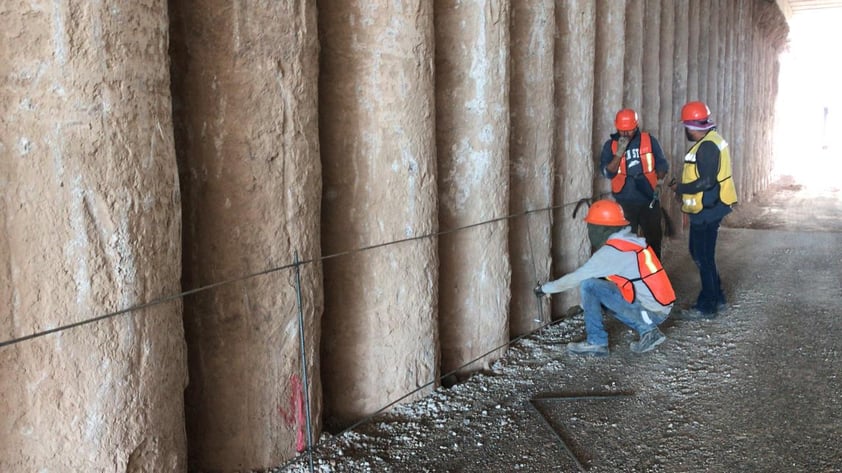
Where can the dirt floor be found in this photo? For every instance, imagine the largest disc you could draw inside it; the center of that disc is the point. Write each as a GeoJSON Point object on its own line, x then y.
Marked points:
{"type": "Point", "coordinates": [758, 389]}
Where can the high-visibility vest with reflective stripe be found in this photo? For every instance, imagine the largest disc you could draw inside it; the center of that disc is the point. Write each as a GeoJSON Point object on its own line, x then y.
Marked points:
{"type": "Point", "coordinates": [692, 203]}
{"type": "Point", "coordinates": [647, 163]}
{"type": "Point", "coordinates": [651, 273]}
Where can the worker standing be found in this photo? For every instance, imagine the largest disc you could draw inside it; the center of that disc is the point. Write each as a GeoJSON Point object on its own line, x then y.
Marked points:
{"type": "Point", "coordinates": [707, 193]}
{"type": "Point", "coordinates": [623, 275]}
{"type": "Point", "coordinates": [634, 162]}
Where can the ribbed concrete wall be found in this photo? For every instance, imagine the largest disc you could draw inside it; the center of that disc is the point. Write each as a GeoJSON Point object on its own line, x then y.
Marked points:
{"type": "Point", "coordinates": [680, 84]}
{"type": "Point", "coordinates": [712, 14]}
{"type": "Point", "coordinates": [667, 119]}
{"type": "Point", "coordinates": [91, 219]}
{"type": "Point", "coordinates": [532, 164]}
{"type": "Point", "coordinates": [378, 149]}
{"type": "Point", "coordinates": [426, 120]}
{"type": "Point", "coordinates": [694, 26]}
{"type": "Point", "coordinates": [741, 129]}
{"type": "Point", "coordinates": [652, 60]}
{"type": "Point", "coordinates": [574, 72]}
{"type": "Point", "coordinates": [472, 138]}
{"type": "Point", "coordinates": [635, 49]}
{"type": "Point", "coordinates": [245, 88]}
{"type": "Point", "coordinates": [608, 79]}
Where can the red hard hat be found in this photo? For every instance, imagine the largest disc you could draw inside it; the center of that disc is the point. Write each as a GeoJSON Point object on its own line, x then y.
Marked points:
{"type": "Point", "coordinates": [626, 120]}
{"type": "Point", "coordinates": [606, 213]}
{"type": "Point", "coordinates": [695, 111]}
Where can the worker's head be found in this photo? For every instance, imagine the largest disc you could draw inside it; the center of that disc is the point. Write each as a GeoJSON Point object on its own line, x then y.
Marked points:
{"type": "Point", "coordinates": [604, 218]}
{"type": "Point", "coordinates": [626, 122]}
{"type": "Point", "coordinates": [695, 116]}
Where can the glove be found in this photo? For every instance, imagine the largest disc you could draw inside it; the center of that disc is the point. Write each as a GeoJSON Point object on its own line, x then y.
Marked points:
{"type": "Point", "coordinates": [538, 291]}
{"type": "Point", "coordinates": [622, 144]}
{"type": "Point", "coordinates": [657, 194]}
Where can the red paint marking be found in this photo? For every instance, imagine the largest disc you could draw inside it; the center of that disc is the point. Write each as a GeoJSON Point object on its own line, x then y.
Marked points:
{"type": "Point", "coordinates": [295, 414]}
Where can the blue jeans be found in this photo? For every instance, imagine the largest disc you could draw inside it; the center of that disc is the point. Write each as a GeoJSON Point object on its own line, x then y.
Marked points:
{"type": "Point", "coordinates": [703, 251]}
{"type": "Point", "coordinates": [597, 293]}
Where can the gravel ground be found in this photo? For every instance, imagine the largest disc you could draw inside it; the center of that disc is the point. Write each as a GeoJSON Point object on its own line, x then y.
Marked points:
{"type": "Point", "coordinates": [757, 389]}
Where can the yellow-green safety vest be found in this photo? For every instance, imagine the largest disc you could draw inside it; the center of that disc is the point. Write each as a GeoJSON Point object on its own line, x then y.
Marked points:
{"type": "Point", "coordinates": [692, 203]}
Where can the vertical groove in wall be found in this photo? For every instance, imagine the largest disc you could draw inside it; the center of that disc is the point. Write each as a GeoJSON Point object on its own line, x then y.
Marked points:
{"type": "Point", "coordinates": [531, 167]}
{"type": "Point", "coordinates": [574, 73]}
{"type": "Point", "coordinates": [609, 47]}
{"type": "Point", "coordinates": [244, 81]}
{"type": "Point", "coordinates": [756, 93]}
{"type": "Point", "coordinates": [714, 41]}
{"type": "Point", "coordinates": [738, 92]}
{"type": "Point", "coordinates": [694, 23]}
{"type": "Point", "coordinates": [634, 49]}
{"type": "Point", "coordinates": [666, 116]}
{"type": "Point", "coordinates": [88, 160]}
{"type": "Point", "coordinates": [680, 87]}
{"type": "Point", "coordinates": [650, 109]}
{"type": "Point", "coordinates": [472, 134]}
{"type": "Point", "coordinates": [726, 64]}
{"type": "Point", "coordinates": [705, 43]}
{"type": "Point", "coordinates": [377, 113]}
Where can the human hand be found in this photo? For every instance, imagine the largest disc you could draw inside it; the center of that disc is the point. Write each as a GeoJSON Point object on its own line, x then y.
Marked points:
{"type": "Point", "coordinates": [538, 291]}
{"type": "Point", "coordinates": [622, 144]}
{"type": "Point", "coordinates": [656, 195]}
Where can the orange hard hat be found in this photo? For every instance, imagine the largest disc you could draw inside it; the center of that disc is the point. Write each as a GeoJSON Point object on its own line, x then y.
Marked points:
{"type": "Point", "coordinates": [695, 111]}
{"type": "Point", "coordinates": [626, 120]}
{"type": "Point", "coordinates": [606, 213]}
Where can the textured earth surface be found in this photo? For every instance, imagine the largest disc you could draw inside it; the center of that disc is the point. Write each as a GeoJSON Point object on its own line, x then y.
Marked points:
{"type": "Point", "coordinates": [757, 389]}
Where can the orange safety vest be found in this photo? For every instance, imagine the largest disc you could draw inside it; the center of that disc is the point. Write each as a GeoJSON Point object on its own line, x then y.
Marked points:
{"type": "Point", "coordinates": [647, 160]}
{"type": "Point", "coordinates": [651, 272]}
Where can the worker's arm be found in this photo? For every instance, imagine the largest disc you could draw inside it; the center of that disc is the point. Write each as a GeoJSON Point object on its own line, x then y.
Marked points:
{"type": "Point", "coordinates": [609, 161]}
{"type": "Point", "coordinates": [601, 264]}
{"type": "Point", "coordinates": [707, 162]}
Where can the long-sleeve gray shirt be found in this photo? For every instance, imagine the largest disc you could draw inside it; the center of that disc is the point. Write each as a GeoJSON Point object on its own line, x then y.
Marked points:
{"type": "Point", "coordinates": [608, 261]}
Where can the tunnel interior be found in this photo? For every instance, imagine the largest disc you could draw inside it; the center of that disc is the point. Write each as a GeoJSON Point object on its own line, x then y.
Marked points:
{"type": "Point", "coordinates": [233, 225]}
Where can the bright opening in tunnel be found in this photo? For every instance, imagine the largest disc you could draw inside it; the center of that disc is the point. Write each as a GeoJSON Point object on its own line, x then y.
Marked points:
{"type": "Point", "coordinates": [808, 139]}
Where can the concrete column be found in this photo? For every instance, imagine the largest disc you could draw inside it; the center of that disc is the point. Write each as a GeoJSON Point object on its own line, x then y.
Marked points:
{"type": "Point", "coordinates": [749, 93]}
{"type": "Point", "coordinates": [714, 42]}
{"type": "Point", "coordinates": [634, 51]}
{"type": "Point", "coordinates": [706, 43]}
{"type": "Point", "coordinates": [378, 149]}
{"type": "Point", "coordinates": [531, 147]}
{"type": "Point", "coordinates": [244, 80]}
{"type": "Point", "coordinates": [726, 84]}
{"type": "Point", "coordinates": [472, 135]}
{"type": "Point", "coordinates": [608, 79]}
{"type": "Point", "coordinates": [693, 51]}
{"type": "Point", "coordinates": [650, 109]}
{"type": "Point", "coordinates": [91, 217]}
{"type": "Point", "coordinates": [666, 117]}
{"type": "Point", "coordinates": [742, 45]}
{"type": "Point", "coordinates": [680, 92]}
{"type": "Point", "coordinates": [574, 73]}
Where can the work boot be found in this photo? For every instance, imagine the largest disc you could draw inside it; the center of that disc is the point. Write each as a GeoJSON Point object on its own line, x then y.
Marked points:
{"type": "Point", "coordinates": [692, 314]}
{"type": "Point", "coordinates": [585, 348]}
{"type": "Point", "coordinates": [648, 341]}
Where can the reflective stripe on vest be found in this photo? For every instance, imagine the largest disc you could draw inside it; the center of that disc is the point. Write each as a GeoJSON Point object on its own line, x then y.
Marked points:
{"type": "Point", "coordinates": [650, 272]}
{"type": "Point", "coordinates": [647, 161]}
{"type": "Point", "coordinates": [692, 203]}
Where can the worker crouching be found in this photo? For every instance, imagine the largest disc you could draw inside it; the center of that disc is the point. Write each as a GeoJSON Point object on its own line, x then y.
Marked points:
{"type": "Point", "coordinates": [623, 275]}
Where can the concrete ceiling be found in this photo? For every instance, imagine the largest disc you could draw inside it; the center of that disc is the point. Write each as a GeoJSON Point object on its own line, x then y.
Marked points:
{"type": "Point", "coordinates": [798, 5]}
{"type": "Point", "coordinates": [789, 7]}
